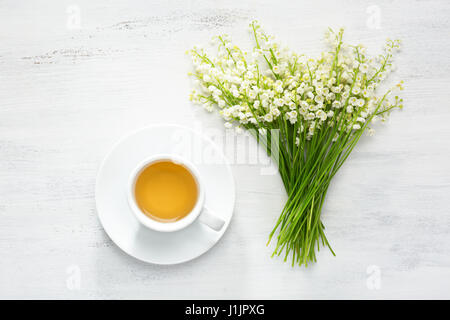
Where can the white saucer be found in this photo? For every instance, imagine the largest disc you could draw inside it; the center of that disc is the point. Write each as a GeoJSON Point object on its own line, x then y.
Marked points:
{"type": "Point", "coordinates": [120, 223]}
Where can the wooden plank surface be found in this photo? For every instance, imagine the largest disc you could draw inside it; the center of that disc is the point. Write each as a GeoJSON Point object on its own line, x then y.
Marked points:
{"type": "Point", "coordinates": [75, 76]}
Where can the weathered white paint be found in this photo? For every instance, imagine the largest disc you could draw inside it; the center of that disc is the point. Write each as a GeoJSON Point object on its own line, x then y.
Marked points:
{"type": "Point", "coordinates": [67, 95]}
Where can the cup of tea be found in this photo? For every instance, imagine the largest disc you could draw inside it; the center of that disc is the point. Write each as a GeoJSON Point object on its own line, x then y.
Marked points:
{"type": "Point", "coordinates": [166, 194]}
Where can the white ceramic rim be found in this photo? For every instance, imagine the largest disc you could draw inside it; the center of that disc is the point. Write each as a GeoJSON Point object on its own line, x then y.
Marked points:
{"type": "Point", "coordinates": [154, 224]}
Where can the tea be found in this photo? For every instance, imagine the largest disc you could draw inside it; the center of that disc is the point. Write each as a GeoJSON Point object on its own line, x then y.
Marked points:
{"type": "Point", "coordinates": [166, 191]}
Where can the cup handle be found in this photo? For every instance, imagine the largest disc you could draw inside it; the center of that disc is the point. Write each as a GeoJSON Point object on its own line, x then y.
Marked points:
{"type": "Point", "coordinates": [211, 220]}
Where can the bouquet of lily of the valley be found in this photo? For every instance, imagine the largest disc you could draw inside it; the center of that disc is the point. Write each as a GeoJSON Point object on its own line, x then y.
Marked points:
{"type": "Point", "coordinates": [308, 114]}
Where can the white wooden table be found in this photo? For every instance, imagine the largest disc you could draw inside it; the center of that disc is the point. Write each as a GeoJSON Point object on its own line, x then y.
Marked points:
{"type": "Point", "coordinates": [75, 76]}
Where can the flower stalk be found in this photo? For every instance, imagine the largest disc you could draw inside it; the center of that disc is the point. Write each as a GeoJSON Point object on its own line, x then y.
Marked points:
{"type": "Point", "coordinates": [308, 113]}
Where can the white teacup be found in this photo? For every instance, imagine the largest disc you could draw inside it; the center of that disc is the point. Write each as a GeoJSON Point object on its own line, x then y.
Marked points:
{"type": "Point", "coordinates": [199, 210]}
